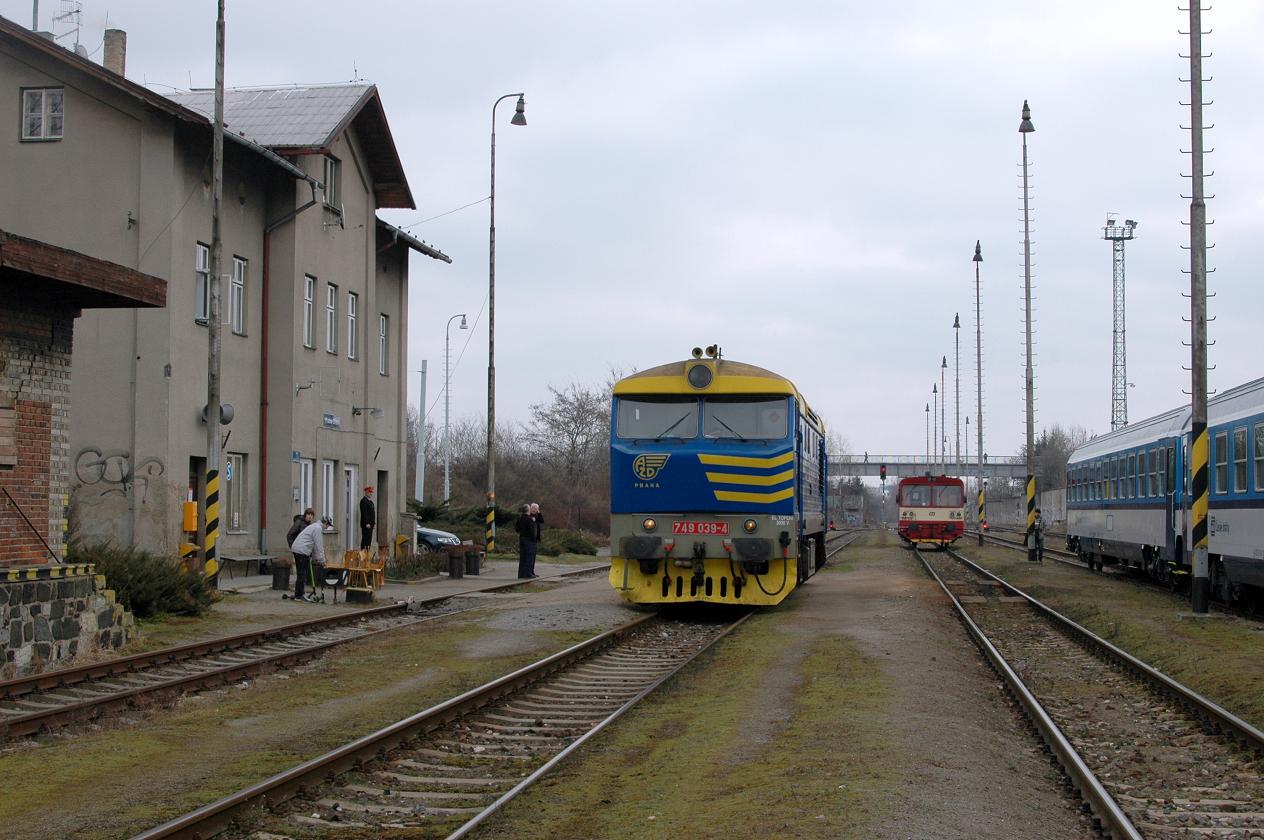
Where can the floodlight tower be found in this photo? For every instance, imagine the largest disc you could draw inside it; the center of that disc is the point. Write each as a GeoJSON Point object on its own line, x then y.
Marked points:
{"type": "Point", "coordinates": [1117, 235]}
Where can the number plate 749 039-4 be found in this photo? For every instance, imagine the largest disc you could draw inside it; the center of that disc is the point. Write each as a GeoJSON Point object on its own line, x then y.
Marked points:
{"type": "Point", "coordinates": [701, 529]}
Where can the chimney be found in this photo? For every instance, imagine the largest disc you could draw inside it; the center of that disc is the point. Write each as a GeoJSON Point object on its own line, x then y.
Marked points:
{"type": "Point", "coordinates": [115, 51]}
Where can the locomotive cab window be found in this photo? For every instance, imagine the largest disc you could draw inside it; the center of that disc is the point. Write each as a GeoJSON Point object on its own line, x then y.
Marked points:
{"type": "Point", "coordinates": [946, 496]}
{"type": "Point", "coordinates": [655, 418]}
{"type": "Point", "coordinates": [745, 418]}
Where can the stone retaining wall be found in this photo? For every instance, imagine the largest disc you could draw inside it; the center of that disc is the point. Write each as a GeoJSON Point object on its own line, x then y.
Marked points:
{"type": "Point", "coordinates": [54, 613]}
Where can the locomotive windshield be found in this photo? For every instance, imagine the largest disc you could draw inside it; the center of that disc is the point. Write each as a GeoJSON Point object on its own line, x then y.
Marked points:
{"type": "Point", "coordinates": [915, 495]}
{"type": "Point", "coordinates": [745, 418]}
{"type": "Point", "coordinates": [658, 417]}
{"type": "Point", "coordinates": [946, 496]}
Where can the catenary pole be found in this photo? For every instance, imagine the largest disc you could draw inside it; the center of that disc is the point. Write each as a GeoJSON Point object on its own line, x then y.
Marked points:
{"type": "Point", "coordinates": [1200, 587]}
{"type": "Point", "coordinates": [210, 561]}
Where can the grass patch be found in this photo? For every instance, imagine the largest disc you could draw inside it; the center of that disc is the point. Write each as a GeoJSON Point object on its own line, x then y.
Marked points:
{"type": "Point", "coordinates": [706, 758]}
{"type": "Point", "coordinates": [1223, 659]}
{"type": "Point", "coordinates": [218, 742]}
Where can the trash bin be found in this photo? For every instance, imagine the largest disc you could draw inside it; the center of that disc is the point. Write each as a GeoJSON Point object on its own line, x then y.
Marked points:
{"type": "Point", "coordinates": [472, 561]}
{"type": "Point", "coordinates": [456, 564]}
{"type": "Point", "coordinates": [280, 577]}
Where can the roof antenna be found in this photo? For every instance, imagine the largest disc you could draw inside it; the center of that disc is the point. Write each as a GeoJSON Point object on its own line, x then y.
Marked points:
{"type": "Point", "coordinates": [355, 72]}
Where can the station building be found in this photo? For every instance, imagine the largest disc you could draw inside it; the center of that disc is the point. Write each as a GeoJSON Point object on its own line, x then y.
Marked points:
{"type": "Point", "coordinates": [314, 294]}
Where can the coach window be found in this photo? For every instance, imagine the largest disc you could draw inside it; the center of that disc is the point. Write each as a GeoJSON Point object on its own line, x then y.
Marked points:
{"type": "Point", "coordinates": [1239, 460]}
{"type": "Point", "coordinates": [1154, 472]}
{"type": "Point", "coordinates": [1222, 463]}
{"type": "Point", "coordinates": [1163, 462]}
{"type": "Point", "coordinates": [1259, 456]}
{"type": "Point", "coordinates": [1134, 486]}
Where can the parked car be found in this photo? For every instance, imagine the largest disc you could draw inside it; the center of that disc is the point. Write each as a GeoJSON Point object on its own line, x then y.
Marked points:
{"type": "Point", "coordinates": [432, 539]}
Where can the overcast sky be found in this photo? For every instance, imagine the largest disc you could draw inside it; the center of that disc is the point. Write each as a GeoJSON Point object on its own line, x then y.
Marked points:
{"type": "Point", "coordinates": [800, 182]}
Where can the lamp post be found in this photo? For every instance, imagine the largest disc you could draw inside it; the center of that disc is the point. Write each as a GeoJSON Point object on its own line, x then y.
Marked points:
{"type": "Point", "coordinates": [447, 391]}
{"type": "Point", "coordinates": [928, 437]}
{"type": "Point", "coordinates": [978, 360]}
{"type": "Point", "coordinates": [934, 424]}
{"type": "Point", "coordinates": [1025, 127]}
{"type": "Point", "coordinates": [956, 388]}
{"type": "Point", "coordinates": [943, 415]}
{"type": "Point", "coordinates": [519, 118]}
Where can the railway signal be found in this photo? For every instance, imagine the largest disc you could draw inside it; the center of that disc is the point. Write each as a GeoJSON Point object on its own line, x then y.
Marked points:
{"type": "Point", "coordinates": [882, 472]}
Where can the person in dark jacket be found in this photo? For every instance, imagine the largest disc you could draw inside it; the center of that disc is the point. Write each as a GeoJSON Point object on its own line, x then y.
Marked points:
{"type": "Point", "coordinates": [368, 518]}
{"type": "Point", "coordinates": [296, 528]}
{"type": "Point", "coordinates": [528, 539]}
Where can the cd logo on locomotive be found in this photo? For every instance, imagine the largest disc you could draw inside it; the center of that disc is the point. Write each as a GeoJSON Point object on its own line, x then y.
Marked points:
{"type": "Point", "coordinates": [646, 467]}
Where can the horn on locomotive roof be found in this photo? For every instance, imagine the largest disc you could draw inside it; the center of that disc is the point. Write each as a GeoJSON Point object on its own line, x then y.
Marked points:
{"type": "Point", "coordinates": [713, 351]}
{"type": "Point", "coordinates": [697, 352]}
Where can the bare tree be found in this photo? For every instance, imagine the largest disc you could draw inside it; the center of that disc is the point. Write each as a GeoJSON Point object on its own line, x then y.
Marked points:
{"type": "Point", "coordinates": [1052, 451]}
{"type": "Point", "coordinates": [568, 434]}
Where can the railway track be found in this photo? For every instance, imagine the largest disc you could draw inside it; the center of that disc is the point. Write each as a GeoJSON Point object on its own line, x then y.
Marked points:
{"type": "Point", "coordinates": [56, 699]}
{"type": "Point", "coordinates": [835, 544]}
{"type": "Point", "coordinates": [1148, 756]}
{"type": "Point", "coordinates": [442, 772]}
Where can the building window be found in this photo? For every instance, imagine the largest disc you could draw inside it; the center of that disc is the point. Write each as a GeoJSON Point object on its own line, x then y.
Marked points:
{"type": "Point", "coordinates": [42, 113]}
{"type": "Point", "coordinates": [1222, 463]}
{"type": "Point", "coordinates": [383, 343]}
{"type": "Point", "coordinates": [202, 284]}
{"type": "Point", "coordinates": [1259, 456]}
{"type": "Point", "coordinates": [1239, 460]}
{"type": "Point", "coordinates": [237, 297]}
{"type": "Point", "coordinates": [235, 492]}
{"type": "Point", "coordinates": [331, 318]}
{"type": "Point", "coordinates": [332, 176]}
{"type": "Point", "coordinates": [304, 484]}
{"type": "Point", "coordinates": [327, 489]}
{"type": "Point", "coordinates": [309, 311]}
{"type": "Point", "coordinates": [353, 325]}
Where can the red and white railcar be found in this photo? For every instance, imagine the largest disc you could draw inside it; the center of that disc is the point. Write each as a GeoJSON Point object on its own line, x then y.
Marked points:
{"type": "Point", "coordinates": [932, 509]}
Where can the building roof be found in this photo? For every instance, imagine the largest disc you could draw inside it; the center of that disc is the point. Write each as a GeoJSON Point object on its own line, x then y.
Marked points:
{"type": "Point", "coordinates": [390, 234]}
{"type": "Point", "coordinates": [306, 120]}
{"type": "Point", "coordinates": [361, 106]}
{"type": "Point", "coordinates": [30, 268]}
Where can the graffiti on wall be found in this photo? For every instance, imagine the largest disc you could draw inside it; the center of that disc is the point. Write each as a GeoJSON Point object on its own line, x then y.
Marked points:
{"type": "Point", "coordinates": [114, 469]}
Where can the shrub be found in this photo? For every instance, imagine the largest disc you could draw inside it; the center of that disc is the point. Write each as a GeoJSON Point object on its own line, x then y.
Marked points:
{"type": "Point", "coordinates": [555, 541]}
{"type": "Point", "coordinates": [413, 566]}
{"type": "Point", "coordinates": [146, 584]}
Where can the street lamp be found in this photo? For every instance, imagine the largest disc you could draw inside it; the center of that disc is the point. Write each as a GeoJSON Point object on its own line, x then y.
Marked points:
{"type": "Point", "coordinates": [943, 415]}
{"type": "Point", "coordinates": [928, 438]}
{"type": "Point", "coordinates": [1025, 127]}
{"type": "Point", "coordinates": [519, 118]}
{"type": "Point", "coordinates": [934, 423]}
{"type": "Point", "coordinates": [447, 390]}
{"type": "Point", "coordinates": [956, 388]}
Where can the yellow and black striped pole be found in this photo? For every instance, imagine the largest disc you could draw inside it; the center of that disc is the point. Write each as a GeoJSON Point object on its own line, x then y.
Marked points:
{"type": "Point", "coordinates": [211, 566]}
{"type": "Point", "coordinates": [1031, 518]}
{"type": "Point", "coordinates": [491, 523]}
{"type": "Point", "coordinates": [1200, 586]}
{"type": "Point", "coordinates": [982, 518]}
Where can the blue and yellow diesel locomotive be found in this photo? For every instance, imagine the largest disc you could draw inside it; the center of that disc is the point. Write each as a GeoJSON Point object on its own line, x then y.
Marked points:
{"type": "Point", "coordinates": [717, 484]}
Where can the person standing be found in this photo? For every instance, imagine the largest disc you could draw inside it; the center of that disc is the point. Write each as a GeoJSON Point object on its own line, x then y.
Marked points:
{"type": "Point", "coordinates": [308, 545]}
{"type": "Point", "coordinates": [1038, 528]}
{"type": "Point", "coordinates": [528, 539]}
{"type": "Point", "coordinates": [368, 518]}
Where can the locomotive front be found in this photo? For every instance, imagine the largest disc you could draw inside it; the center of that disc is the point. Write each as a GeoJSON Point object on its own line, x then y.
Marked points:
{"type": "Point", "coordinates": [717, 494]}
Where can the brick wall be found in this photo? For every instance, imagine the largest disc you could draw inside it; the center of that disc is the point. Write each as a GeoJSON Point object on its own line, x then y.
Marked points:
{"type": "Point", "coordinates": [35, 347]}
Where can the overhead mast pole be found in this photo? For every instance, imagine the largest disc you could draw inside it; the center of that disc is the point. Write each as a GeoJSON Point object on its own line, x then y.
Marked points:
{"type": "Point", "coordinates": [1025, 127]}
{"type": "Point", "coordinates": [210, 562]}
{"type": "Point", "coordinates": [978, 360]}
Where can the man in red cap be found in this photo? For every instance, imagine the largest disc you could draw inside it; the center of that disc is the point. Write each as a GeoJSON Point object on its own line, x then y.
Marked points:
{"type": "Point", "coordinates": [368, 518]}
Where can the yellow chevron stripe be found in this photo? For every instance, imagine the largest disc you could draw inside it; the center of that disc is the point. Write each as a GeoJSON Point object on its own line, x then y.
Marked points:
{"type": "Point", "coordinates": [753, 498]}
{"type": "Point", "coordinates": [745, 461]}
{"type": "Point", "coordinates": [756, 480]}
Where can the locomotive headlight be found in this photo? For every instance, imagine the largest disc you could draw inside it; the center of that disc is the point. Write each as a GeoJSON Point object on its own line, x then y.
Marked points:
{"type": "Point", "coordinates": [649, 524]}
{"type": "Point", "coordinates": [749, 526]}
{"type": "Point", "coordinates": [699, 376]}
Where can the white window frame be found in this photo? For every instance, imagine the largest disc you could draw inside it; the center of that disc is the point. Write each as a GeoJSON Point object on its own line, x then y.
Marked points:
{"type": "Point", "coordinates": [1239, 459]}
{"type": "Point", "coordinates": [383, 342]}
{"type": "Point", "coordinates": [48, 117]}
{"type": "Point", "coordinates": [305, 468]}
{"type": "Point", "coordinates": [331, 318]}
{"type": "Point", "coordinates": [202, 283]}
{"type": "Point", "coordinates": [235, 493]}
{"type": "Point", "coordinates": [353, 325]}
{"type": "Point", "coordinates": [332, 178]}
{"type": "Point", "coordinates": [1259, 456]}
{"type": "Point", "coordinates": [328, 493]}
{"type": "Point", "coordinates": [237, 296]}
{"type": "Point", "coordinates": [1221, 472]}
{"type": "Point", "coordinates": [309, 311]}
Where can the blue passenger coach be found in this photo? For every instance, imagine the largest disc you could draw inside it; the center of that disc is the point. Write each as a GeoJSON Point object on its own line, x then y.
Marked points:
{"type": "Point", "coordinates": [1128, 496]}
{"type": "Point", "coordinates": [717, 484]}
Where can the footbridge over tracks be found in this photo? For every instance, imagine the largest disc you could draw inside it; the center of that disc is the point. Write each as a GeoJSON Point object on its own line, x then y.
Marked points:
{"type": "Point", "coordinates": [900, 466]}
